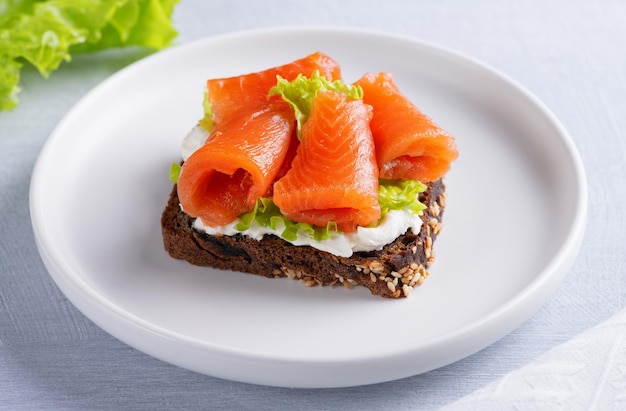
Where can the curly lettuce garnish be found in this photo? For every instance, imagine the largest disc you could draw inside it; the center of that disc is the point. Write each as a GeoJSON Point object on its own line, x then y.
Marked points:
{"type": "Point", "coordinates": [175, 172]}
{"type": "Point", "coordinates": [400, 195]}
{"type": "Point", "coordinates": [300, 92]}
{"type": "Point", "coordinates": [206, 122]}
{"type": "Point", "coordinates": [392, 195]}
{"type": "Point", "coordinates": [46, 33]}
{"type": "Point", "coordinates": [267, 214]}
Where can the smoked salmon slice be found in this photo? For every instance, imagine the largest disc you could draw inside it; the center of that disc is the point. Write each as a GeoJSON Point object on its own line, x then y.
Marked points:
{"type": "Point", "coordinates": [227, 96]}
{"type": "Point", "coordinates": [334, 175]}
{"type": "Point", "coordinates": [409, 145]}
{"type": "Point", "coordinates": [238, 164]}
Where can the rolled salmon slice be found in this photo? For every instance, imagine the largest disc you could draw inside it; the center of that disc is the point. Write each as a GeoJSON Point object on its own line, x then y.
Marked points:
{"type": "Point", "coordinates": [227, 96]}
{"type": "Point", "coordinates": [334, 175]}
{"type": "Point", "coordinates": [238, 164]}
{"type": "Point", "coordinates": [409, 145]}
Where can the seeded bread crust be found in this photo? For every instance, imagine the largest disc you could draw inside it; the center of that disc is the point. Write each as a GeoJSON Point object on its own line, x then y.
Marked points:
{"type": "Point", "coordinates": [391, 272]}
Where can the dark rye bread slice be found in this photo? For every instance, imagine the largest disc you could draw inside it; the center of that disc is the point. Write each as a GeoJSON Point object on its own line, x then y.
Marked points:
{"type": "Point", "coordinates": [391, 272]}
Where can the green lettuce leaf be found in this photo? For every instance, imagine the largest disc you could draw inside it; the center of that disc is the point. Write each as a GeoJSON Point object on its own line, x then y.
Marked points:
{"type": "Point", "coordinates": [400, 195]}
{"type": "Point", "coordinates": [175, 172]}
{"type": "Point", "coordinates": [207, 121]}
{"type": "Point", "coordinates": [45, 33]}
{"type": "Point", "coordinates": [392, 195]}
{"type": "Point", "coordinates": [300, 93]}
{"type": "Point", "coordinates": [267, 214]}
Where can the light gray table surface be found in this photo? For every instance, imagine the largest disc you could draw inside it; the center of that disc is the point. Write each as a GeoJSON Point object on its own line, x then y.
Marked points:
{"type": "Point", "coordinates": [572, 55]}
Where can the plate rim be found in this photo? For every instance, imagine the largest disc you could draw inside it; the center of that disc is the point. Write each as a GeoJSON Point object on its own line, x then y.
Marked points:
{"type": "Point", "coordinates": [565, 255]}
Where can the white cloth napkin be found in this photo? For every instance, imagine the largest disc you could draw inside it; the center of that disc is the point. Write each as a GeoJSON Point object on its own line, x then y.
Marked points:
{"type": "Point", "coordinates": [586, 373]}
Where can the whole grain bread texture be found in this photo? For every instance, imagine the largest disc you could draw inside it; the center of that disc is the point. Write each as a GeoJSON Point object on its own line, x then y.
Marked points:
{"type": "Point", "coordinates": [392, 272]}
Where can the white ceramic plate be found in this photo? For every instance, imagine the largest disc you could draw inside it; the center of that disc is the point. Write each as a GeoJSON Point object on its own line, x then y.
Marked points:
{"type": "Point", "coordinates": [514, 222]}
